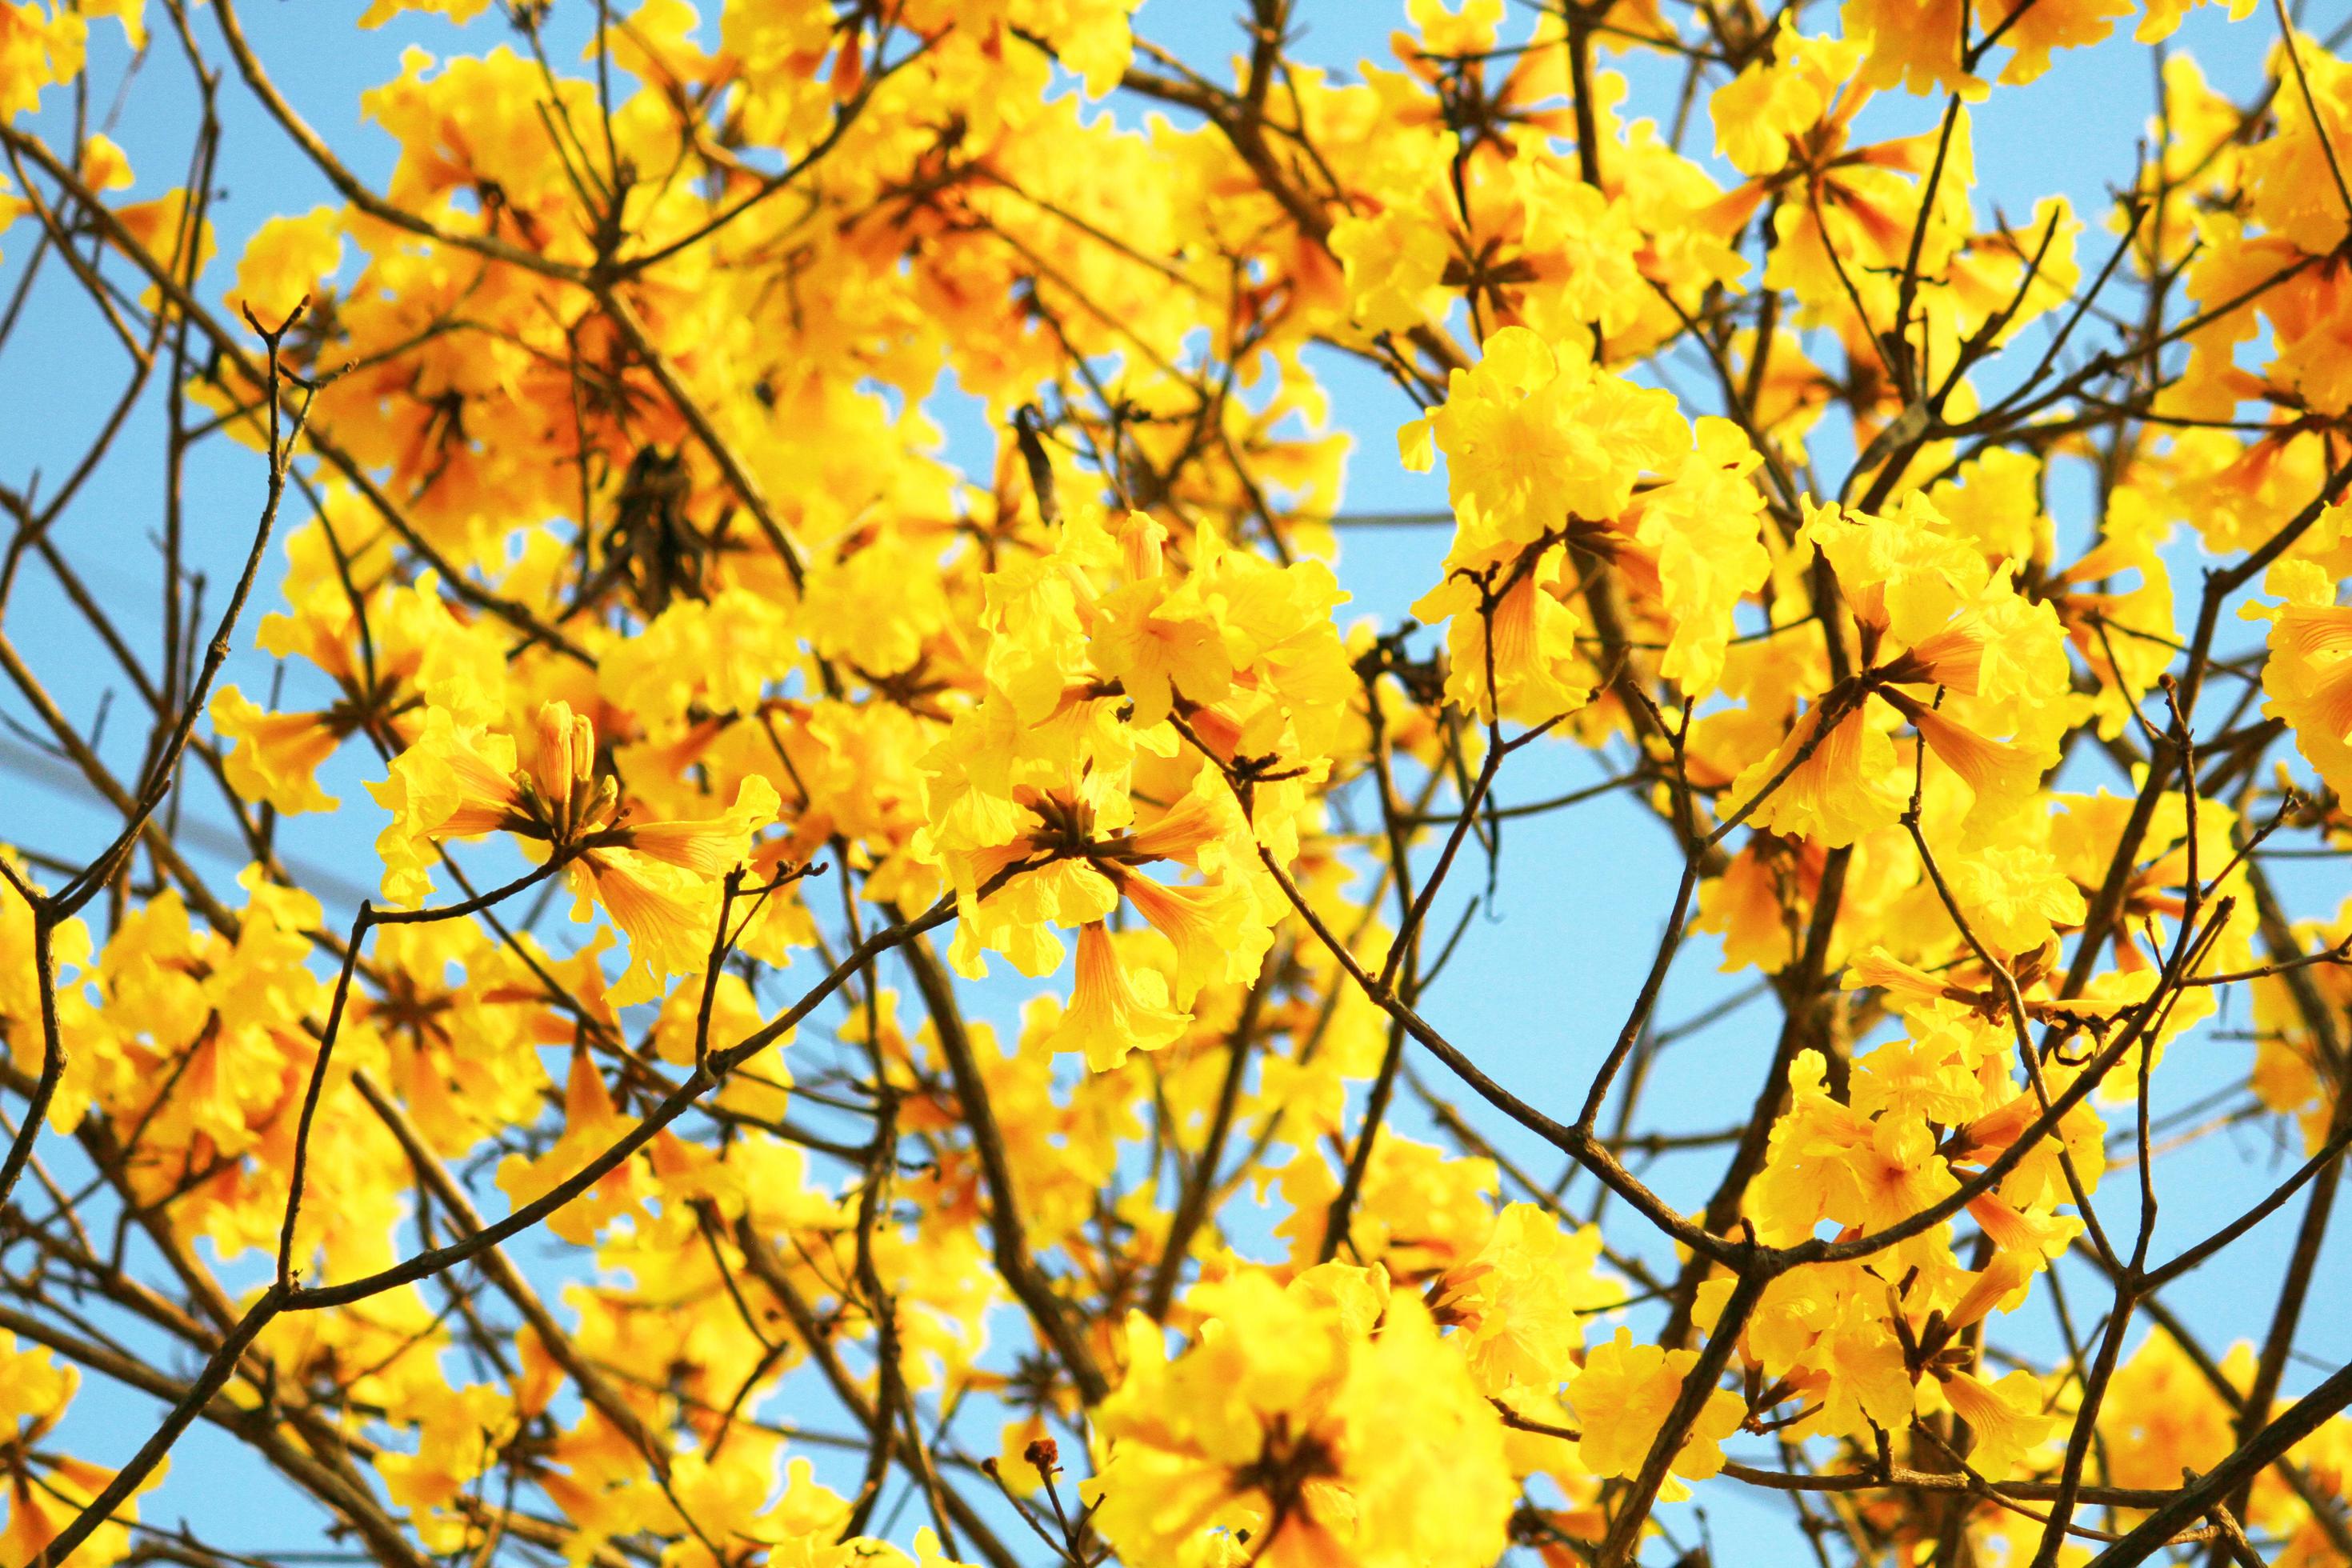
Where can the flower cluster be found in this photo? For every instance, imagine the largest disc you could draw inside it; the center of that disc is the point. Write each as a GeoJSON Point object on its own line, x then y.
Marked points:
{"type": "Point", "coordinates": [852, 494]}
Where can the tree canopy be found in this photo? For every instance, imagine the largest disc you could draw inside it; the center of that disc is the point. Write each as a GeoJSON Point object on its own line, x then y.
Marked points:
{"type": "Point", "coordinates": [891, 1007]}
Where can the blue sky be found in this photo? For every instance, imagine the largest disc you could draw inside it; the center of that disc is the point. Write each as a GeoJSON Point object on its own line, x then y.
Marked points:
{"type": "Point", "coordinates": [1549, 969]}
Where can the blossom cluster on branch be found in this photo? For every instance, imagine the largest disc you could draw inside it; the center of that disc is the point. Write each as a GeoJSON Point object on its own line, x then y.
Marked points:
{"type": "Point", "coordinates": [654, 1167]}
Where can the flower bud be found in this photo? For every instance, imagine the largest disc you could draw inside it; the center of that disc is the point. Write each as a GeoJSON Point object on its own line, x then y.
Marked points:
{"type": "Point", "coordinates": [554, 763]}
{"type": "Point", "coordinates": [1139, 537]}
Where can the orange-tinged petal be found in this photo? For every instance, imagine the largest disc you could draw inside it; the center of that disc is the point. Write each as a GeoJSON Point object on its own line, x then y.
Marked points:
{"type": "Point", "coordinates": [715, 847]}
{"type": "Point", "coordinates": [1212, 927]}
{"type": "Point", "coordinates": [1993, 770]}
{"type": "Point", "coordinates": [275, 756]}
{"type": "Point", "coordinates": [664, 913]}
{"type": "Point", "coordinates": [1113, 1010]}
{"type": "Point", "coordinates": [1181, 831]}
{"type": "Point", "coordinates": [2006, 1417]}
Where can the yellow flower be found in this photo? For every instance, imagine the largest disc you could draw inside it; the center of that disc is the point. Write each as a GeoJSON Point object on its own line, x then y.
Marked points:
{"type": "Point", "coordinates": [1533, 435]}
{"type": "Point", "coordinates": [460, 1432]}
{"type": "Point", "coordinates": [592, 1123]}
{"type": "Point", "coordinates": [1162, 645]}
{"type": "Point", "coordinates": [2308, 676]}
{"type": "Point", "coordinates": [1328, 1420]}
{"type": "Point", "coordinates": [1826, 1333]}
{"type": "Point", "coordinates": [286, 261]}
{"type": "Point", "coordinates": [2008, 1418]}
{"type": "Point", "coordinates": [655, 878]}
{"type": "Point", "coordinates": [40, 45]}
{"type": "Point", "coordinates": [411, 650]}
{"type": "Point", "coordinates": [1517, 1306]}
{"type": "Point", "coordinates": [2161, 1417]}
{"type": "Point", "coordinates": [1623, 1397]}
{"type": "Point", "coordinates": [1928, 616]}
{"type": "Point", "coordinates": [1705, 528]}
{"type": "Point", "coordinates": [1829, 1161]}
{"type": "Point", "coordinates": [46, 1491]}
{"type": "Point", "coordinates": [1761, 113]}
{"type": "Point", "coordinates": [1840, 777]}
{"type": "Point", "coordinates": [1396, 268]}
{"type": "Point", "coordinates": [1530, 659]}
{"type": "Point", "coordinates": [1115, 1007]}
{"type": "Point", "coordinates": [274, 757]}
{"type": "Point", "coordinates": [1214, 926]}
